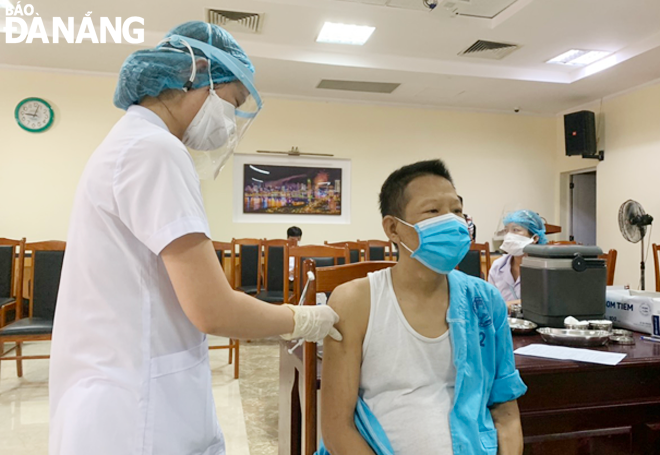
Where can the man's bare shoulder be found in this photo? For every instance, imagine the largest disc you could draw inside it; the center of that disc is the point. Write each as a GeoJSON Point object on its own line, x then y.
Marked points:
{"type": "Point", "coordinates": [352, 302]}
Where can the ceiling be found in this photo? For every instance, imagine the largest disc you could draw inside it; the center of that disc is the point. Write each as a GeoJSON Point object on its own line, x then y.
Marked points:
{"type": "Point", "coordinates": [412, 46]}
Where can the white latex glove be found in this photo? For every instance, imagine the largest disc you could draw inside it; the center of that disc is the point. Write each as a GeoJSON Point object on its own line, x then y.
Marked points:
{"type": "Point", "coordinates": [313, 323]}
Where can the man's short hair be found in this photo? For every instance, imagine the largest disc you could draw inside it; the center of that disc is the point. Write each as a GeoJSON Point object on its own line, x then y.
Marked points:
{"type": "Point", "coordinates": [392, 194]}
{"type": "Point", "coordinates": [294, 231]}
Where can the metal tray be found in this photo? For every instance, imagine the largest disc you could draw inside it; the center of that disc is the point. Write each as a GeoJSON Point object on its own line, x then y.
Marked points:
{"type": "Point", "coordinates": [521, 326]}
{"type": "Point", "coordinates": [575, 338]}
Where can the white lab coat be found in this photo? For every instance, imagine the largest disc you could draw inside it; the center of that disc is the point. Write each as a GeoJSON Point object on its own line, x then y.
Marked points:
{"type": "Point", "coordinates": [129, 372]}
{"type": "Point", "coordinates": [500, 277]}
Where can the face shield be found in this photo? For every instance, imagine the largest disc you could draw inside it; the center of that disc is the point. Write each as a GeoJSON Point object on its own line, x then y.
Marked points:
{"type": "Point", "coordinates": [233, 124]}
{"type": "Point", "coordinates": [520, 222]}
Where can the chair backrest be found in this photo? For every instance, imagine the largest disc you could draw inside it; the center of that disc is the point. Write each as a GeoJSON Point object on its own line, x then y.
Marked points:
{"type": "Point", "coordinates": [222, 249]}
{"type": "Point", "coordinates": [656, 259]}
{"type": "Point", "coordinates": [327, 279]}
{"type": "Point", "coordinates": [8, 267]}
{"type": "Point", "coordinates": [562, 242]}
{"type": "Point", "coordinates": [610, 258]}
{"type": "Point", "coordinates": [323, 256]}
{"type": "Point", "coordinates": [47, 259]}
{"type": "Point", "coordinates": [471, 264]}
{"type": "Point", "coordinates": [357, 250]}
{"type": "Point", "coordinates": [276, 264]}
{"type": "Point", "coordinates": [249, 273]}
{"type": "Point", "coordinates": [380, 250]}
{"type": "Point", "coordinates": [482, 249]}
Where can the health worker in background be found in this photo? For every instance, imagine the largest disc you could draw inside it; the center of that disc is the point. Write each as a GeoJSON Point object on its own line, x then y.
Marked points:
{"type": "Point", "coordinates": [523, 228]}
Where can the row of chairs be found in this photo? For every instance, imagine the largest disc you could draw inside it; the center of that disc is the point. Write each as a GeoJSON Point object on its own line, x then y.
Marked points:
{"type": "Point", "coordinates": [27, 314]}
{"type": "Point", "coordinates": [260, 267]}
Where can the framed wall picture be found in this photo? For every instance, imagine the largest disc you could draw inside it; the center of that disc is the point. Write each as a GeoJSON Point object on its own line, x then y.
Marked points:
{"type": "Point", "coordinates": [287, 189]}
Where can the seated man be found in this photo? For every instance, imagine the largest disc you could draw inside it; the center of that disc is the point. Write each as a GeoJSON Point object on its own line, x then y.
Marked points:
{"type": "Point", "coordinates": [427, 350]}
{"type": "Point", "coordinates": [294, 236]}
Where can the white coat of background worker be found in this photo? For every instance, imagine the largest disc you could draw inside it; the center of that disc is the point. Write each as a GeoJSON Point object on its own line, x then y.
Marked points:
{"type": "Point", "coordinates": [141, 284]}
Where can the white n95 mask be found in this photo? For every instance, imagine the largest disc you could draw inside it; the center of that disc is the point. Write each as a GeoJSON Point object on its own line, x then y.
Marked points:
{"type": "Point", "coordinates": [212, 135]}
{"type": "Point", "coordinates": [514, 244]}
{"type": "Point", "coordinates": [216, 130]}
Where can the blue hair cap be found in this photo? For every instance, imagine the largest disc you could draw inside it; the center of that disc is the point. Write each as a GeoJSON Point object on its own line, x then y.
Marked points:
{"type": "Point", "coordinates": [150, 72]}
{"type": "Point", "coordinates": [530, 221]}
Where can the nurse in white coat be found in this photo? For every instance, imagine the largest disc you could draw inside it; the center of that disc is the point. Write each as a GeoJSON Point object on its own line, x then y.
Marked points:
{"type": "Point", "coordinates": [523, 228]}
{"type": "Point", "coordinates": [141, 284]}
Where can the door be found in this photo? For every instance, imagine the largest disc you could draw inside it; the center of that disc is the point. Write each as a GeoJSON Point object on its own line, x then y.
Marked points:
{"type": "Point", "coordinates": [583, 208]}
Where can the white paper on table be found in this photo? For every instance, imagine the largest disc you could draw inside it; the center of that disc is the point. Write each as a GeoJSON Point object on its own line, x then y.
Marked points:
{"type": "Point", "coordinates": [565, 353]}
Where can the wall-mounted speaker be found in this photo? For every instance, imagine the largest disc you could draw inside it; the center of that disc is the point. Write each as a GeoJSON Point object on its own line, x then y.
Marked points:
{"type": "Point", "coordinates": [580, 134]}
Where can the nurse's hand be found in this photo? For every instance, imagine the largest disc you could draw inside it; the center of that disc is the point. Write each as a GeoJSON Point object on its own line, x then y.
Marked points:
{"type": "Point", "coordinates": [313, 323]}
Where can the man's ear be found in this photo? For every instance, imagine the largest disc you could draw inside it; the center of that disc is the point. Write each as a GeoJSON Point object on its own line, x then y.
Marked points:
{"type": "Point", "coordinates": [536, 238]}
{"type": "Point", "coordinates": [389, 226]}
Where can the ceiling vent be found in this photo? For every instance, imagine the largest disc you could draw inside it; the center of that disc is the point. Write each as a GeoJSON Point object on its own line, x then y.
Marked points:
{"type": "Point", "coordinates": [489, 50]}
{"type": "Point", "coordinates": [236, 21]}
{"type": "Point", "coordinates": [358, 86]}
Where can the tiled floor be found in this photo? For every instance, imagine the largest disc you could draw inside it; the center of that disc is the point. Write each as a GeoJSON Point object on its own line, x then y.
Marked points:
{"type": "Point", "coordinates": [24, 403]}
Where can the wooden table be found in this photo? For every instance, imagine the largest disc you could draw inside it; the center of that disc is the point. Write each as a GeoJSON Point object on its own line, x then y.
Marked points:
{"type": "Point", "coordinates": [570, 408]}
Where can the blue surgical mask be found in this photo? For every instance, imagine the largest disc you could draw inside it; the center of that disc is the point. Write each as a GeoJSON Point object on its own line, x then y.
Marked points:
{"type": "Point", "coordinates": [443, 242]}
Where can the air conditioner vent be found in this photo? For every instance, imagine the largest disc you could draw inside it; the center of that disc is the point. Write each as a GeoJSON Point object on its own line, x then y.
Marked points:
{"type": "Point", "coordinates": [358, 86]}
{"type": "Point", "coordinates": [489, 49]}
{"type": "Point", "coordinates": [236, 21]}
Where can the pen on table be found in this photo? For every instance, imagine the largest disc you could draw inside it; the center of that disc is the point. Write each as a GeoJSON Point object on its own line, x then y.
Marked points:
{"type": "Point", "coordinates": [655, 340]}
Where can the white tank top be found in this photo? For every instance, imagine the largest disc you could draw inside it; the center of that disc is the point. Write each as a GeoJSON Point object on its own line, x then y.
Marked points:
{"type": "Point", "coordinates": [406, 379]}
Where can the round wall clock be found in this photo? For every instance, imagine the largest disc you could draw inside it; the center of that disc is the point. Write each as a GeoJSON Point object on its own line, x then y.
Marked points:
{"type": "Point", "coordinates": [34, 115]}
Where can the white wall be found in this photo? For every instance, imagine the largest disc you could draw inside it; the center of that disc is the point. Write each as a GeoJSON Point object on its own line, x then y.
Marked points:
{"type": "Point", "coordinates": [631, 170]}
{"type": "Point", "coordinates": [39, 172]}
{"type": "Point", "coordinates": [496, 160]}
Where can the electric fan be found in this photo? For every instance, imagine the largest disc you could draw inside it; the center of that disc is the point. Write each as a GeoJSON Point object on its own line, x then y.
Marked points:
{"type": "Point", "coordinates": [632, 223]}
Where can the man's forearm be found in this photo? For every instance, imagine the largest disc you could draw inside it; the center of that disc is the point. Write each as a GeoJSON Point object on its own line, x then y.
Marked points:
{"type": "Point", "coordinates": [509, 430]}
{"type": "Point", "coordinates": [509, 438]}
{"type": "Point", "coordinates": [347, 441]}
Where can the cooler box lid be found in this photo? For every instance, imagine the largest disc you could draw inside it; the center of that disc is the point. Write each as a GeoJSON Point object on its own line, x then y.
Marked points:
{"type": "Point", "coordinates": [562, 251]}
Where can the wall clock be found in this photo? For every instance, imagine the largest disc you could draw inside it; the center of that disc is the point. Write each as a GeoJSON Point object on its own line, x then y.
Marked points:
{"type": "Point", "coordinates": [34, 115]}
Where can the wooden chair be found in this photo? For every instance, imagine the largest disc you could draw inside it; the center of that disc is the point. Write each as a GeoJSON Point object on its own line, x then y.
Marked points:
{"type": "Point", "coordinates": [562, 242]}
{"type": "Point", "coordinates": [380, 250]}
{"type": "Point", "coordinates": [472, 263]}
{"type": "Point", "coordinates": [656, 259]}
{"type": "Point", "coordinates": [248, 276]}
{"type": "Point", "coordinates": [37, 325]}
{"type": "Point", "coordinates": [8, 275]}
{"type": "Point", "coordinates": [610, 258]}
{"type": "Point", "coordinates": [221, 250]}
{"type": "Point", "coordinates": [327, 279]}
{"type": "Point", "coordinates": [323, 256]}
{"type": "Point", "coordinates": [276, 270]}
{"type": "Point", "coordinates": [358, 250]}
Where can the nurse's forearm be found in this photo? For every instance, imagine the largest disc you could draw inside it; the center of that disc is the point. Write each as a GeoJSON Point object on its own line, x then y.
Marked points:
{"type": "Point", "coordinates": [246, 317]}
{"type": "Point", "coordinates": [509, 431]}
{"type": "Point", "coordinates": [209, 302]}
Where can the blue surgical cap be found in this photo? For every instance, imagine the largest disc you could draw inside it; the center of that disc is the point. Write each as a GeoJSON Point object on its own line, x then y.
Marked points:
{"type": "Point", "coordinates": [150, 72]}
{"type": "Point", "coordinates": [530, 221]}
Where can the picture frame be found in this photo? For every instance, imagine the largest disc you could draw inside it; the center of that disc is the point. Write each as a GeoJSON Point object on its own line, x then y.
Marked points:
{"type": "Point", "coordinates": [291, 189]}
